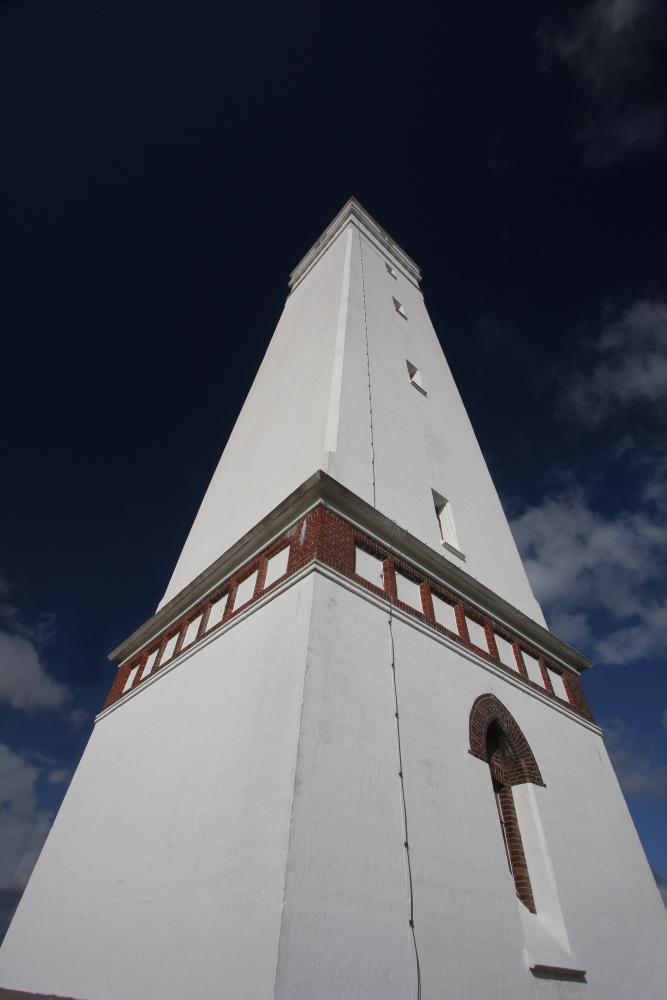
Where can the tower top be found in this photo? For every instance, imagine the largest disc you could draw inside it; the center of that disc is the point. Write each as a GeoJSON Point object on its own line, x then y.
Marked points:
{"type": "Point", "coordinates": [355, 384]}
{"type": "Point", "coordinates": [353, 212]}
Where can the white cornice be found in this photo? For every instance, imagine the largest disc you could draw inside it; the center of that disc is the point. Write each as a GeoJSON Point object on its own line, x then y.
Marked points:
{"type": "Point", "coordinates": [379, 602]}
{"type": "Point", "coordinates": [322, 488]}
{"type": "Point", "coordinates": [354, 213]}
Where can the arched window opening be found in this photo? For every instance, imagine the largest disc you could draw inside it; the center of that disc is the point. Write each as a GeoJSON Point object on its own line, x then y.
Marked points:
{"type": "Point", "coordinates": [496, 739]}
{"type": "Point", "coordinates": [502, 765]}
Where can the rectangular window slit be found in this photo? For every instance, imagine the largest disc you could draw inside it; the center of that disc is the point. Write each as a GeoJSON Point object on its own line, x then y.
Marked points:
{"type": "Point", "coordinates": [415, 377]}
{"type": "Point", "coordinates": [443, 510]}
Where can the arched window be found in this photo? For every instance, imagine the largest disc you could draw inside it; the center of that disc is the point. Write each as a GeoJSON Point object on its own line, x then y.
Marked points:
{"type": "Point", "coordinates": [496, 738]}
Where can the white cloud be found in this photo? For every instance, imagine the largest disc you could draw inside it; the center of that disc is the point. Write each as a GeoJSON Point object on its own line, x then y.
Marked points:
{"type": "Point", "coordinates": [585, 568]}
{"type": "Point", "coordinates": [23, 826]}
{"type": "Point", "coordinates": [24, 682]}
{"type": "Point", "coordinates": [11, 618]}
{"type": "Point", "coordinates": [78, 717]}
{"type": "Point", "coordinates": [26, 686]}
{"type": "Point", "coordinates": [57, 777]}
{"type": "Point", "coordinates": [640, 775]}
{"type": "Point", "coordinates": [605, 41]}
{"type": "Point", "coordinates": [603, 578]}
{"type": "Point", "coordinates": [609, 49]}
{"type": "Point", "coordinates": [630, 367]}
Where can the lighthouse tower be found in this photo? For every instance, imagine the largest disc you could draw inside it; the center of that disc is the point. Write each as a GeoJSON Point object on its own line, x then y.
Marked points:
{"type": "Point", "coordinates": [345, 759]}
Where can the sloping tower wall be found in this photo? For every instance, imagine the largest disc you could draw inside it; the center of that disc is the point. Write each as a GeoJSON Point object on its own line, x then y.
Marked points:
{"type": "Point", "coordinates": [345, 759]}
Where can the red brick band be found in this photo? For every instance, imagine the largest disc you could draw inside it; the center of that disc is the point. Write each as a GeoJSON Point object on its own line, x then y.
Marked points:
{"type": "Point", "coordinates": [325, 537]}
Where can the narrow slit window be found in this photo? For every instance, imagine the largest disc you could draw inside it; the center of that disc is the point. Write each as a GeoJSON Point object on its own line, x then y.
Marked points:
{"type": "Point", "coordinates": [415, 377]}
{"type": "Point", "coordinates": [443, 510]}
{"type": "Point", "coordinates": [501, 761]}
{"type": "Point", "coordinates": [399, 308]}
{"type": "Point", "coordinates": [497, 789]}
{"type": "Point", "coordinates": [391, 271]}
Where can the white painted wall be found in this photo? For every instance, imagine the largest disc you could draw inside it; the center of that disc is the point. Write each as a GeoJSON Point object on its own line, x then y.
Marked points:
{"type": "Point", "coordinates": [421, 443]}
{"type": "Point", "coordinates": [467, 917]}
{"type": "Point", "coordinates": [506, 652]}
{"type": "Point", "coordinates": [309, 408]}
{"type": "Point", "coordinates": [278, 439]}
{"type": "Point", "coordinates": [234, 830]}
{"type": "Point", "coordinates": [477, 634]}
{"type": "Point", "coordinates": [276, 567]}
{"type": "Point", "coordinates": [369, 566]}
{"type": "Point", "coordinates": [408, 591]}
{"type": "Point", "coordinates": [445, 614]}
{"type": "Point", "coordinates": [163, 875]}
{"type": "Point", "coordinates": [345, 930]}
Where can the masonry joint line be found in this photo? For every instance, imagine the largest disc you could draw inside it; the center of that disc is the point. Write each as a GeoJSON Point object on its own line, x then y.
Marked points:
{"type": "Point", "coordinates": [406, 844]}
{"type": "Point", "coordinates": [368, 364]}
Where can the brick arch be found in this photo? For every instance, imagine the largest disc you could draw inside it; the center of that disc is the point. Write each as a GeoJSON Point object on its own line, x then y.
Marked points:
{"type": "Point", "coordinates": [520, 764]}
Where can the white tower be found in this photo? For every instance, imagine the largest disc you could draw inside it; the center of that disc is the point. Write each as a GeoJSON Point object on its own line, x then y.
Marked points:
{"type": "Point", "coordinates": [345, 758]}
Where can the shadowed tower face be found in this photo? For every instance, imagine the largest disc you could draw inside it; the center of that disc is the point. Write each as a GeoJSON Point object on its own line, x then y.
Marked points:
{"type": "Point", "coordinates": [345, 758]}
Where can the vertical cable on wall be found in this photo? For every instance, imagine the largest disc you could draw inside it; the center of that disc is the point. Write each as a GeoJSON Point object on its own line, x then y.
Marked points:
{"type": "Point", "coordinates": [368, 365]}
{"type": "Point", "coordinates": [406, 841]}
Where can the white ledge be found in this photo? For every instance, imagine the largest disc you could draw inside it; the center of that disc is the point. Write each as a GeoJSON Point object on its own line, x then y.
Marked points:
{"type": "Point", "coordinates": [379, 601]}
{"type": "Point", "coordinates": [322, 488]}
{"type": "Point", "coordinates": [543, 952]}
{"type": "Point", "coordinates": [354, 212]}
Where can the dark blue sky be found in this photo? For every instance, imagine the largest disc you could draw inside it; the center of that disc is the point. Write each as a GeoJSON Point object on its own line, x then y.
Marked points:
{"type": "Point", "coordinates": [163, 168]}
